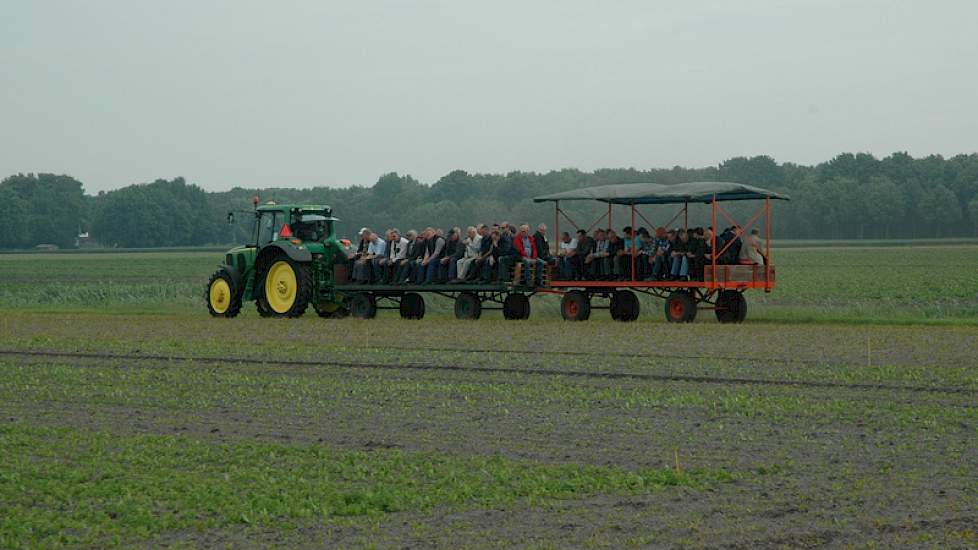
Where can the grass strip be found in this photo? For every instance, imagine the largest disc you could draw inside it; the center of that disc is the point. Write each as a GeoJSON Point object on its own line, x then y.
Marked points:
{"type": "Point", "coordinates": [62, 486]}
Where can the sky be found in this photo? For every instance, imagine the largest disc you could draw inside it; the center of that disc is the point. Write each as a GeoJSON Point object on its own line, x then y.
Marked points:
{"type": "Point", "coordinates": [306, 93]}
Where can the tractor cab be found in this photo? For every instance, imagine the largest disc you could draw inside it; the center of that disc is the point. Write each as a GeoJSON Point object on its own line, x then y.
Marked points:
{"type": "Point", "coordinates": [313, 224]}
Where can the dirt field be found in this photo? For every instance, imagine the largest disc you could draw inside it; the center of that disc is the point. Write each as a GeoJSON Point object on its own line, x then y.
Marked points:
{"type": "Point", "coordinates": [784, 436]}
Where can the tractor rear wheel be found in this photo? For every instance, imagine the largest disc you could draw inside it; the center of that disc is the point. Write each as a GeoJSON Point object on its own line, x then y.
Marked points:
{"type": "Point", "coordinates": [516, 306]}
{"type": "Point", "coordinates": [222, 296]}
{"type": "Point", "coordinates": [468, 306]}
{"type": "Point", "coordinates": [680, 307]}
{"type": "Point", "coordinates": [363, 306]}
{"type": "Point", "coordinates": [412, 306]}
{"type": "Point", "coordinates": [575, 306]}
{"type": "Point", "coordinates": [624, 306]}
{"type": "Point", "coordinates": [285, 288]}
{"type": "Point", "coordinates": [731, 307]}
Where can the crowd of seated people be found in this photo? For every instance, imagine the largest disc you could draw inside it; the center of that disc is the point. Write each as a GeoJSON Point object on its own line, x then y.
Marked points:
{"type": "Point", "coordinates": [483, 254]}
{"type": "Point", "coordinates": [488, 253]}
{"type": "Point", "coordinates": [665, 255]}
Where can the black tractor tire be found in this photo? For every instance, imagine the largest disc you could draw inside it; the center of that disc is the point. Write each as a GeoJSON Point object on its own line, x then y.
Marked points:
{"type": "Point", "coordinates": [625, 306]}
{"type": "Point", "coordinates": [223, 297]}
{"type": "Point", "coordinates": [680, 307]}
{"type": "Point", "coordinates": [516, 307]}
{"type": "Point", "coordinates": [468, 306]}
{"type": "Point", "coordinates": [731, 307]}
{"type": "Point", "coordinates": [363, 306]}
{"type": "Point", "coordinates": [332, 310]}
{"type": "Point", "coordinates": [291, 307]}
{"type": "Point", "coordinates": [575, 306]}
{"type": "Point", "coordinates": [412, 306]}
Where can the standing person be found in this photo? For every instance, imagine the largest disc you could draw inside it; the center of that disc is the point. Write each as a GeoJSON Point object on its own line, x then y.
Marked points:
{"type": "Point", "coordinates": [473, 244]}
{"type": "Point", "coordinates": [750, 250]}
{"type": "Point", "coordinates": [565, 255]}
{"type": "Point", "coordinates": [527, 247]}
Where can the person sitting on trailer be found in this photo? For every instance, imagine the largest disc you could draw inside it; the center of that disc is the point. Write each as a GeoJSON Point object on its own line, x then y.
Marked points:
{"type": "Point", "coordinates": [698, 253]}
{"type": "Point", "coordinates": [532, 263]}
{"type": "Point", "coordinates": [597, 261]}
{"type": "Point", "coordinates": [750, 249]}
{"type": "Point", "coordinates": [585, 245]}
{"type": "Point", "coordinates": [680, 256]}
{"type": "Point", "coordinates": [403, 267]}
{"type": "Point", "coordinates": [660, 258]}
{"type": "Point", "coordinates": [543, 247]}
{"type": "Point", "coordinates": [565, 254]}
{"type": "Point", "coordinates": [729, 255]}
{"type": "Point", "coordinates": [624, 256]}
{"type": "Point", "coordinates": [472, 245]}
{"type": "Point", "coordinates": [508, 254]}
{"type": "Point", "coordinates": [454, 250]}
{"type": "Point", "coordinates": [396, 251]}
{"type": "Point", "coordinates": [645, 250]}
{"type": "Point", "coordinates": [491, 260]}
{"type": "Point", "coordinates": [434, 251]}
{"type": "Point", "coordinates": [475, 271]}
{"type": "Point", "coordinates": [376, 247]}
{"type": "Point", "coordinates": [615, 245]}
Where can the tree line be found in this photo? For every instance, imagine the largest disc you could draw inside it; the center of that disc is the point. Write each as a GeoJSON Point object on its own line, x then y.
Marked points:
{"type": "Point", "coordinates": [850, 196]}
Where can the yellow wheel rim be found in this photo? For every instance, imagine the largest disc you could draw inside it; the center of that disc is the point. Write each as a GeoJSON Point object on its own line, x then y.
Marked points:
{"type": "Point", "coordinates": [280, 287]}
{"type": "Point", "coordinates": [220, 296]}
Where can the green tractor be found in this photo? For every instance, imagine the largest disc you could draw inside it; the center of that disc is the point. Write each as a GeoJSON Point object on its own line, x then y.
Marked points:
{"type": "Point", "coordinates": [287, 266]}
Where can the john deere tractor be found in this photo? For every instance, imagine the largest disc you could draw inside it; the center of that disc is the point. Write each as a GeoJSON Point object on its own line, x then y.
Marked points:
{"type": "Point", "coordinates": [287, 266]}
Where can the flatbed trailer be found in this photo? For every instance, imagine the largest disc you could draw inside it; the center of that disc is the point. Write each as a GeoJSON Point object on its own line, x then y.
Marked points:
{"type": "Point", "coordinates": [721, 289]}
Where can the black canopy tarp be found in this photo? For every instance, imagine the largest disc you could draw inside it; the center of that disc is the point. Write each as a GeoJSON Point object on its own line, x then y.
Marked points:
{"type": "Point", "coordinates": [653, 193]}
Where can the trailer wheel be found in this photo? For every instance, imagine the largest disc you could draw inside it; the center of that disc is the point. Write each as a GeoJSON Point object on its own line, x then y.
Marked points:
{"type": "Point", "coordinates": [731, 307]}
{"type": "Point", "coordinates": [516, 306]}
{"type": "Point", "coordinates": [575, 306]}
{"type": "Point", "coordinates": [680, 307]}
{"type": "Point", "coordinates": [624, 306]}
{"type": "Point", "coordinates": [363, 306]}
{"type": "Point", "coordinates": [467, 306]}
{"type": "Point", "coordinates": [412, 306]}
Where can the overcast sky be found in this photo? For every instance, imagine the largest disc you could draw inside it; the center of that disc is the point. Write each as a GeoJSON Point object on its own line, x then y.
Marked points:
{"type": "Point", "coordinates": [308, 93]}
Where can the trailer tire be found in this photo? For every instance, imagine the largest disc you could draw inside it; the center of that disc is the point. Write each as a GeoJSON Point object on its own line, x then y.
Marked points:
{"type": "Point", "coordinates": [624, 306]}
{"type": "Point", "coordinates": [680, 307]}
{"type": "Point", "coordinates": [412, 306]}
{"type": "Point", "coordinates": [468, 306]}
{"type": "Point", "coordinates": [363, 306]}
{"type": "Point", "coordinates": [731, 307]}
{"type": "Point", "coordinates": [516, 307]}
{"type": "Point", "coordinates": [575, 306]}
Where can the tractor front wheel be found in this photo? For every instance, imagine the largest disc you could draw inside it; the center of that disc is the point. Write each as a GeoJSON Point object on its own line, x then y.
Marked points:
{"type": "Point", "coordinates": [285, 289]}
{"type": "Point", "coordinates": [223, 297]}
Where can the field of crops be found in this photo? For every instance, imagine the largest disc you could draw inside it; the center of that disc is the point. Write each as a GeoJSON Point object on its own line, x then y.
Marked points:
{"type": "Point", "coordinates": [844, 413]}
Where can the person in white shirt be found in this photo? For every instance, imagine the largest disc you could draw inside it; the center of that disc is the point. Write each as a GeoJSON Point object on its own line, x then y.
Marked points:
{"type": "Point", "coordinates": [396, 250]}
{"type": "Point", "coordinates": [473, 243]}
{"type": "Point", "coordinates": [750, 251]}
{"type": "Point", "coordinates": [375, 249]}
{"type": "Point", "coordinates": [567, 249]}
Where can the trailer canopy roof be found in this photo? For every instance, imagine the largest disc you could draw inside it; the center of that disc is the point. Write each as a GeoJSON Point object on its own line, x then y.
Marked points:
{"type": "Point", "coordinates": [654, 193]}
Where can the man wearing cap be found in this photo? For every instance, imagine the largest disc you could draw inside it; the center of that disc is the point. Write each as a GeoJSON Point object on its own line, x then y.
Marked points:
{"type": "Point", "coordinates": [376, 247]}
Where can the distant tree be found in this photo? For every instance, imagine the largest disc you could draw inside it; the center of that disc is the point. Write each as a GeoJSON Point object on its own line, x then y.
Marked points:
{"type": "Point", "coordinates": [973, 210]}
{"type": "Point", "coordinates": [51, 209]}
{"type": "Point", "coordinates": [939, 208]}
{"type": "Point", "coordinates": [883, 204]}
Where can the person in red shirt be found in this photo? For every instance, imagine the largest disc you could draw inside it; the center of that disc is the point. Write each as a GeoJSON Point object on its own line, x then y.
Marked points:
{"type": "Point", "coordinates": [525, 245]}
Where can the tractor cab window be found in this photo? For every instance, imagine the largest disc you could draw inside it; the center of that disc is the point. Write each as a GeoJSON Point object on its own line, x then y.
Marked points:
{"type": "Point", "coordinates": [312, 227]}
{"type": "Point", "coordinates": [268, 227]}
